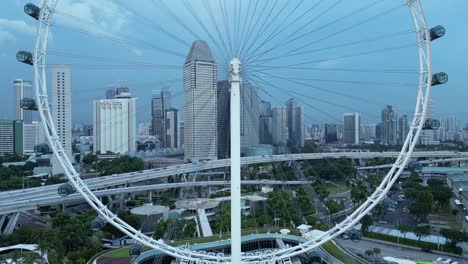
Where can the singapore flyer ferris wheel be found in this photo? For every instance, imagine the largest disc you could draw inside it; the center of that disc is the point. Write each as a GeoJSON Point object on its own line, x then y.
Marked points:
{"type": "Point", "coordinates": [251, 45]}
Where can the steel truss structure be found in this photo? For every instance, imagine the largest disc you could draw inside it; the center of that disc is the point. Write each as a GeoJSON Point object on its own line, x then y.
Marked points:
{"type": "Point", "coordinates": [420, 116]}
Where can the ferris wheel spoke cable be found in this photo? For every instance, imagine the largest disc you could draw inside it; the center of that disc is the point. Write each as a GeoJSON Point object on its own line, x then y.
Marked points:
{"type": "Point", "coordinates": [267, 23]}
{"type": "Point", "coordinates": [277, 30]}
{"type": "Point", "coordinates": [227, 28]}
{"type": "Point", "coordinates": [320, 100]}
{"type": "Point", "coordinates": [254, 29]}
{"type": "Point", "coordinates": [352, 43]}
{"type": "Point", "coordinates": [194, 14]}
{"type": "Point", "coordinates": [247, 28]}
{"type": "Point", "coordinates": [289, 25]}
{"type": "Point", "coordinates": [128, 42]}
{"type": "Point", "coordinates": [352, 55]}
{"type": "Point", "coordinates": [287, 39]}
{"type": "Point", "coordinates": [275, 99]}
{"type": "Point", "coordinates": [209, 10]}
{"type": "Point", "coordinates": [351, 96]}
{"type": "Point", "coordinates": [336, 33]}
{"type": "Point", "coordinates": [135, 16]}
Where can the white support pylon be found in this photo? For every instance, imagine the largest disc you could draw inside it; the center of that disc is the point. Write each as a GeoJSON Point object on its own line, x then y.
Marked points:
{"type": "Point", "coordinates": [234, 78]}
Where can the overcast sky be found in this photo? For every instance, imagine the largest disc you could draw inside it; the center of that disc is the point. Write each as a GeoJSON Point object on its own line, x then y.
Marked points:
{"type": "Point", "coordinates": [328, 43]}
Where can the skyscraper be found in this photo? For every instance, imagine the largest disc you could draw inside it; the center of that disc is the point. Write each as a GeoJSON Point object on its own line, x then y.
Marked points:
{"type": "Point", "coordinates": [331, 133]}
{"type": "Point", "coordinates": [223, 112]}
{"type": "Point", "coordinates": [23, 89]}
{"type": "Point", "coordinates": [181, 133]}
{"type": "Point", "coordinates": [172, 128]}
{"type": "Point", "coordinates": [115, 124]}
{"type": "Point", "coordinates": [352, 128]}
{"type": "Point", "coordinates": [111, 93]}
{"type": "Point", "coordinates": [6, 137]}
{"type": "Point", "coordinates": [200, 103]}
{"type": "Point", "coordinates": [266, 123]}
{"type": "Point", "coordinates": [30, 137]}
{"type": "Point", "coordinates": [403, 128]}
{"type": "Point", "coordinates": [157, 118]}
{"type": "Point", "coordinates": [280, 126]}
{"type": "Point", "coordinates": [291, 106]}
{"type": "Point", "coordinates": [62, 109]}
{"type": "Point", "coordinates": [299, 129]}
{"type": "Point", "coordinates": [295, 117]}
{"type": "Point", "coordinates": [389, 126]}
{"type": "Point", "coordinates": [250, 113]}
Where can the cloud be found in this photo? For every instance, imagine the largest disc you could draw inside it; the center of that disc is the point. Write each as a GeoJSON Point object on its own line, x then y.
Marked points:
{"type": "Point", "coordinates": [85, 14]}
{"type": "Point", "coordinates": [9, 29]}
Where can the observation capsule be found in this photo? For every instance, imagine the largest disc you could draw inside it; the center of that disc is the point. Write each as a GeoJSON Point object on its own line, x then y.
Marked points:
{"type": "Point", "coordinates": [135, 250]}
{"type": "Point", "coordinates": [65, 189]}
{"type": "Point", "coordinates": [42, 149]}
{"type": "Point", "coordinates": [32, 10]}
{"type": "Point", "coordinates": [354, 235]}
{"type": "Point", "coordinates": [25, 57]}
{"type": "Point", "coordinates": [439, 78]}
{"type": "Point", "coordinates": [97, 224]}
{"type": "Point", "coordinates": [431, 124]}
{"type": "Point", "coordinates": [437, 32]}
{"type": "Point", "coordinates": [28, 104]}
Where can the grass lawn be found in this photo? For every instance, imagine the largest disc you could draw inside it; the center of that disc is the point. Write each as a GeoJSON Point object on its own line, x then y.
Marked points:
{"type": "Point", "coordinates": [333, 250]}
{"type": "Point", "coordinates": [445, 215]}
{"type": "Point", "coordinates": [337, 187]}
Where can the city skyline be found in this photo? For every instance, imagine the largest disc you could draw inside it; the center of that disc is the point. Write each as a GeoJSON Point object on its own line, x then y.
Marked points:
{"type": "Point", "coordinates": [445, 105]}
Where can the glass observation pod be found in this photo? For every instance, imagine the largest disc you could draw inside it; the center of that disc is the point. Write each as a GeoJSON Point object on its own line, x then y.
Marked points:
{"type": "Point", "coordinates": [65, 189]}
{"type": "Point", "coordinates": [28, 104]}
{"type": "Point", "coordinates": [437, 32]}
{"type": "Point", "coordinates": [135, 250]}
{"type": "Point", "coordinates": [354, 235]}
{"type": "Point", "coordinates": [439, 78]}
{"type": "Point", "coordinates": [42, 149]}
{"type": "Point", "coordinates": [25, 57]}
{"type": "Point", "coordinates": [97, 224]}
{"type": "Point", "coordinates": [431, 124]}
{"type": "Point", "coordinates": [32, 10]}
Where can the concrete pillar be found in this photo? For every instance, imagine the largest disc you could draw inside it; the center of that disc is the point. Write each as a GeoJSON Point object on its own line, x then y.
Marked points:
{"type": "Point", "coordinates": [11, 224]}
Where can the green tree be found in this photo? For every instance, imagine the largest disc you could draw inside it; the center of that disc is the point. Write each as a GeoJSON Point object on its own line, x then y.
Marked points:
{"type": "Point", "coordinates": [377, 251]}
{"type": "Point", "coordinates": [422, 231]}
{"type": "Point", "coordinates": [454, 236]}
{"type": "Point", "coordinates": [366, 221]}
{"type": "Point", "coordinates": [422, 207]}
{"type": "Point", "coordinates": [404, 229]}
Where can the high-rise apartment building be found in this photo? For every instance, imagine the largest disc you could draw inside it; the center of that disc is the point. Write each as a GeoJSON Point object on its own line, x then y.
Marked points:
{"type": "Point", "coordinates": [159, 104]}
{"type": "Point", "coordinates": [30, 137]}
{"type": "Point", "coordinates": [23, 89]}
{"type": "Point", "coordinates": [181, 133]}
{"type": "Point", "coordinates": [389, 126]}
{"type": "Point", "coordinates": [249, 115]}
{"type": "Point", "coordinates": [200, 104]}
{"type": "Point", "coordinates": [62, 110]}
{"type": "Point", "coordinates": [280, 126]}
{"type": "Point", "coordinates": [352, 128]}
{"type": "Point", "coordinates": [265, 123]}
{"type": "Point", "coordinates": [223, 115]}
{"type": "Point", "coordinates": [403, 128]}
{"type": "Point", "coordinates": [331, 133]}
{"type": "Point", "coordinates": [144, 129]}
{"type": "Point", "coordinates": [6, 137]}
{"type": "Point", "coordinates": [157, 118]}
{"type": "Point", "coordinates": [295, 117]}
{"type": "Point", "coordinates": [172, 128]}
{"type": "Point", "coordinates": [115, 124]}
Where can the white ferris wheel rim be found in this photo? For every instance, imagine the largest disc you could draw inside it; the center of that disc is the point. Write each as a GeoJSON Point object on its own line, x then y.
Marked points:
{"type": "Point", "coordinates": [420, 115]}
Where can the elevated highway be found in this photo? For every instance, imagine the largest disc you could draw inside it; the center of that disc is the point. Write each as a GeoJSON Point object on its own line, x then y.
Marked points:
{"type": "Point", "coordinates": [47, 195]}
